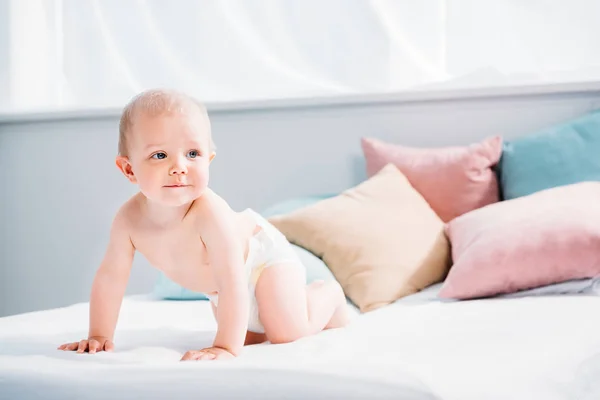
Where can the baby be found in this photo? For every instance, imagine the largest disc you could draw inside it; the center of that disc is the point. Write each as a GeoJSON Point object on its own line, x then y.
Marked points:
{"type": "Point", "coordinates": [250, 272]}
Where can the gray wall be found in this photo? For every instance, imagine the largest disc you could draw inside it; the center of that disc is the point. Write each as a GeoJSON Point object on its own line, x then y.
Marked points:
{"type": "Point", "coordinates": [60, 187]}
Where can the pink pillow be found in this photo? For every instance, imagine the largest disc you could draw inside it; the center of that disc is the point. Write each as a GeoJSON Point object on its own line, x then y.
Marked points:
{"type": "Point", "coordinates": [453, 180]}
{"type": "Point", "coordinates": [547, 237]}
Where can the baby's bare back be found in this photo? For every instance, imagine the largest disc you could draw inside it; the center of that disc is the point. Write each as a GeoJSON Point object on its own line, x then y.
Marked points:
{"type": "Point", "coordinates": [177, 249]}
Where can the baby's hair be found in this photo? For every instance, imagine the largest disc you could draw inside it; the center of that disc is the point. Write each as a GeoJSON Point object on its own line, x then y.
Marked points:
{"type": "Point", "coordinates": [156, 102]}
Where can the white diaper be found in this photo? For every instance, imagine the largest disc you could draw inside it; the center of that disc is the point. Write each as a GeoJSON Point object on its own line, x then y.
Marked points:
{"type": "Point", "coordinates": [267, 247]}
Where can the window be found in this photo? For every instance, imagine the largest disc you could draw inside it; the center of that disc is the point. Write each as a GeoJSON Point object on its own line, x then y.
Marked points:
{"type": "Point", "coordinates": [57, 54]}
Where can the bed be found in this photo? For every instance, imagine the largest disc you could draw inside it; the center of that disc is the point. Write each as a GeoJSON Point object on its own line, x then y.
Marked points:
{"type": "Point", "coordinates": [543, 346]}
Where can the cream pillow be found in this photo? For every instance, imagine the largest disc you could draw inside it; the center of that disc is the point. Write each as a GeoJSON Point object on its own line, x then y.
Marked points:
{"type": "Point", "coordinates": [381, 239]}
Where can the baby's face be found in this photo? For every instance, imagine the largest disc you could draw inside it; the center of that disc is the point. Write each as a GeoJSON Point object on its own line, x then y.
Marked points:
{"type": "Point", "coordinates": [170, 155]}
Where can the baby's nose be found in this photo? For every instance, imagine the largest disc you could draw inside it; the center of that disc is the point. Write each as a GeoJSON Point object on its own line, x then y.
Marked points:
{"type": "Point", "coordinates": [178, 169]}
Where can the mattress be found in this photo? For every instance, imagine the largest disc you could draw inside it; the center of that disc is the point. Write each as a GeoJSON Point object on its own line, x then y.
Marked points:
{"type": "Point", "coordinates": [532, 347]}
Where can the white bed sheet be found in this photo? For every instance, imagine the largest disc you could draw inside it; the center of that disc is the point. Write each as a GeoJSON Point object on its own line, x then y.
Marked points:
{"type": "Point", "coordinates": [538, 347]}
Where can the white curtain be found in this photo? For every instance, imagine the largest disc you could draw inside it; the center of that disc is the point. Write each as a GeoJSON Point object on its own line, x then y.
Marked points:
{"type": "Point", "coordinates": [57, 54]}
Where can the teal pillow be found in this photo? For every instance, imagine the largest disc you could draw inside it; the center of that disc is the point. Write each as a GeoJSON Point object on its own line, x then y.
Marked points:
{"type": "Point", "coordinates": [165, 288]}
{"type": "Point", "coordinates": [560, 155]}
{"type": "Point", "coordinates": [315, 267]}
{"type": "Point", "coordinates": [293, 204]}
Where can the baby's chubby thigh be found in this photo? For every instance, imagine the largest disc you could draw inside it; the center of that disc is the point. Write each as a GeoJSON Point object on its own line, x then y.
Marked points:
{"type": "Point", "coordinates": [282, 303]}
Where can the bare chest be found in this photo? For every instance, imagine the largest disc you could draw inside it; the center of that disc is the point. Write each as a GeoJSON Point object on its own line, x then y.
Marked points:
{"type": "Point", "coordinates": [180, 254]}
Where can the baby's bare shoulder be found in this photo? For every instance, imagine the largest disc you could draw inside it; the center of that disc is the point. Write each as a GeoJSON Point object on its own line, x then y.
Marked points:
{"type": "Point", "coordinates": [213, 214]}
{"type": "Point", "coordinates": [212, 206]}
{"type": "Point", "coordinates": [128, 213]}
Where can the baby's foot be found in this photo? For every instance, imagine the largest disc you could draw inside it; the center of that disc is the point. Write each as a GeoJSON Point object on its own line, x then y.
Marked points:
{"type": "Point", "coordinates": [341, 316]}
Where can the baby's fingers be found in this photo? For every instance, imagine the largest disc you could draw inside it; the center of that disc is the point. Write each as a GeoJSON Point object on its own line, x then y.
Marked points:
{"type": "Point", "coordinates": [197, 355]}
{"type": "Point", "coordinates": [94, 345]}
{"type": "Point", "coordinates": [69, 346]}
{"type": "Point", "coordinates": [191, 355]}
{"type": "Point", "coordinates": [109, 346]}
{"type": "Point", "coordinates": [187, 356]}
{"type": "Point", "coordinates": [206, 356]}
{"type": "Point", "coordinates": [83, 345]}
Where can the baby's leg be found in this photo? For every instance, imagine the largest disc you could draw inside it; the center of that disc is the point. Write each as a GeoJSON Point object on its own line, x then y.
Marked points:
{"type": "Point", "coordinates": [290, 310]}
{"type": "Point", "coordinates": [314, 293]}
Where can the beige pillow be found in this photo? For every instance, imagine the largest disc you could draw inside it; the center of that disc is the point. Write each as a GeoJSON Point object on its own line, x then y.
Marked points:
{"type": "Point", "coordinates": [380, 239]}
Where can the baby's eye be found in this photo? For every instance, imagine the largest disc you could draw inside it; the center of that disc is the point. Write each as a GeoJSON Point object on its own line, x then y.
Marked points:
{"type": "Point", "coordinates": [193, 154]}
{"type": "Point", "coordinates": [159, 156]}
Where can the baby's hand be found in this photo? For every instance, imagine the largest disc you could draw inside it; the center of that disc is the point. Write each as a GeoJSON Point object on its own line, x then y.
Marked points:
{"type": "Point", "coordinates": [92, 344]}
{"type": "Point", "coordinates": [210, 353]}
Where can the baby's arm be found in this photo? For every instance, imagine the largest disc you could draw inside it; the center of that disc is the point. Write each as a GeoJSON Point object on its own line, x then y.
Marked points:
{"type": "Point", "coordinates": [220, 235]}
{"type": "Point", "coordinates": [108, 289]}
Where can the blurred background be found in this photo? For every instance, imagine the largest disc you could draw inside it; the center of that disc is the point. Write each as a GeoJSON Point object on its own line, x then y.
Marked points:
{"type": "Point", "coordinates": [65, 54]}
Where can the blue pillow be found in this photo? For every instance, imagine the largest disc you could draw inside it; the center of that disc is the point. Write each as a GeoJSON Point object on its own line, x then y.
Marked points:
{"type": "Point", "coordinates": [560, 155]}
{"type": "Point", "coordinates": [293, 204]}
{"type": "Point", "coordinates": [315, 267]}
{"type": "Point", "coordinates": [165, 288]}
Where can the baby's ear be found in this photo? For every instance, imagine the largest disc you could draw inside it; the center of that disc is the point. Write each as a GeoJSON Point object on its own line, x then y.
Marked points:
{"type": "Point", "coordinates": [125, 167]}
{"type": "Point", "coordinates": [212, 155]}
